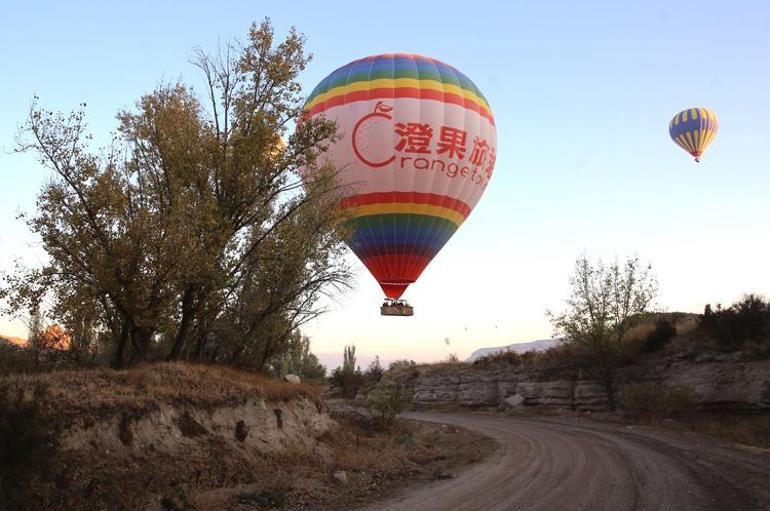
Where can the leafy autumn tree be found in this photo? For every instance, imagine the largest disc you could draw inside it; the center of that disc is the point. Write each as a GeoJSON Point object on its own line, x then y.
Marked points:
{"type": "Point", "coordinates": [605, 302]}
{"type": "Point", "coordinates": [191, 236]}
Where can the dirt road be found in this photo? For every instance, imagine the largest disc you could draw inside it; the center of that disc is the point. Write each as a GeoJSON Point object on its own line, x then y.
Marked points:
{"type": "Point", "coordinates": [553, 465]}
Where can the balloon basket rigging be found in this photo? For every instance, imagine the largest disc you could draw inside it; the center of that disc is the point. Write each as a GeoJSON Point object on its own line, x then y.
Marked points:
{"type": "Point", "coordinates": [396, 308]}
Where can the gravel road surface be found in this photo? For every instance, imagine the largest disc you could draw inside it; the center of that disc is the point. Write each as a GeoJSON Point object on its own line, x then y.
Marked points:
{"type": "Point", "coordinates": [565, 464]}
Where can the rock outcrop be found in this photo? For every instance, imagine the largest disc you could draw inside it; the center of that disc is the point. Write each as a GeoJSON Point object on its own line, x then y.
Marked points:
{"type": "Point", "coordinates": [717, 382]}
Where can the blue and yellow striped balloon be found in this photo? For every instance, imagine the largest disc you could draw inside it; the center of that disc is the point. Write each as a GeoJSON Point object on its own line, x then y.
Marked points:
{"type": "Point", "coordinates": [694, 129]}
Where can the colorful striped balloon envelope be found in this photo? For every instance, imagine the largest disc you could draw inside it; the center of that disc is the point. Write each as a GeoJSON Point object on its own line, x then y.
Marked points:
{"type": "Point", "coordinates": [694, 129]}
{"type": "Point", "coordinates": [417, 149]}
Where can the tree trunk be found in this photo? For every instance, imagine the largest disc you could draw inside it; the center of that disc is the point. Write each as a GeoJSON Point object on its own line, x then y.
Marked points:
{"type": "Point", "coordinates": [140, 339]}
{"type": "Point", "coordinates": [200, 341]}
{"type": "Point", "coordinates": [120, 352]}
{"type": "Point", "coordinates": [608, 381]}
{"type": "Point", "coordinates": [247, 337]}
{"type": "Point", "coordinates": [177, 350]}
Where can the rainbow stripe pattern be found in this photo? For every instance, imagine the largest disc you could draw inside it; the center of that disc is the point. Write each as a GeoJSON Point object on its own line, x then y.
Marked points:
{"type": "Point", "coordinates": [397, 75]}
{"type": "Point", "coordinates": [396, 234]}
{"type": "Point", "coordinates": [694, 129]}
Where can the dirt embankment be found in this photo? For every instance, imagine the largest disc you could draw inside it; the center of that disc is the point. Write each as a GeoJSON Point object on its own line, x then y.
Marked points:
{"type": "Point", "coordinates": [176, 436]}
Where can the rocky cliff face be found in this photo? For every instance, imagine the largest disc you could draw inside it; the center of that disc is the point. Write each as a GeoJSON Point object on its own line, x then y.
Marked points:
{"type": "Point", "coordinates": [726, 383]}
{"type": "Point", "coordinates": [507, 388]}
{"type": "Point", "coordinates": [717, 382]}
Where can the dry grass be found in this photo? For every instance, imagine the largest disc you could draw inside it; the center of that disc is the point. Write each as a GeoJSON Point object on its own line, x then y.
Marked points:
{"type": "Point", "coordinates": [654, 402]}
{"type": "Point", "coordinates": [743, 429]}
{"type": "Point", "coordinates": [376, 463]}
{"type": "Point", "coordinates": [40, 473]}
{"type": "Point", "coordinates": [752, 430]}
{"type": "Point", "coordinates": [684, 322]}
{"type": "Point", "coordinates": [639, 333]}
{"type": "Point", "coordinates": [207, 470]}
{"type": "Point", "coordinates": [101, 391]}
{"type": "Point", "coordinates": [674, 408]}
{"type": "Point", "coordinates": [687, 326]}
{"type": "Point", "coordinates": [357, 450]}
{"type": "Point", "coordinates": [378, 460]}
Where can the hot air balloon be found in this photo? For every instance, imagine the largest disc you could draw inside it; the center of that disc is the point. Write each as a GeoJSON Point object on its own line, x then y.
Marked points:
{"type": "Point", "coordinates": [694, 129]}
{"type": "Point", "coordinates": [417, 149]}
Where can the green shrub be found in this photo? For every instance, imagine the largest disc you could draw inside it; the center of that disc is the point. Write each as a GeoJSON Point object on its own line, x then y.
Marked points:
{"type": "Point", "coordinates": [348, 377]}
{"type": "Point", "coordinates": [388, 403]}
{"type": "Point", "coordinates": [747, 320]}
{"type": "Point", "coordinates": [374, 372]}
{"type": "Point", "coordinates": [349, 381]}
{"type": "Point", "coordinates": [656, 401]}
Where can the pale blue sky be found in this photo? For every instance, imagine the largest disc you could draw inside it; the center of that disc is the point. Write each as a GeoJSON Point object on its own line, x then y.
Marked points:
{"type": "Point", "coordinates": [582, 93]}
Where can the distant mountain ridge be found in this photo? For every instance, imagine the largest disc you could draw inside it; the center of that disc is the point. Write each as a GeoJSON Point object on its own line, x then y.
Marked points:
{"type": "Point", "coordinates": [519, 347]}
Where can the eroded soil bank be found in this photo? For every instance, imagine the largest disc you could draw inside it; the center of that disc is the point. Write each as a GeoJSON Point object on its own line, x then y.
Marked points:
{"type": "Point", "coordinates": [175, 436]}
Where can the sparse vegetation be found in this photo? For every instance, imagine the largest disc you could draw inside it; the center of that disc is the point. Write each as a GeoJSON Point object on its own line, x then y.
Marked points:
{"type": "Point", "coordinates": [744, 429]}
{"type": "Point", "coordinates": [299, 360]}
{"type": "Point", "coordinates": [374, 372]}
{"type": "Point", "coordinates": [648, 401]}
{"type": "Point", "coordinates": [390, 402]}
{"type": "Point", "coordinates": [674, 408]}
{"type": "Point", "coordinates": [69, 446]}
{"type": "Point", "coordinates": [401, 365]}
{"type": "Point", "coordinates": [91, 392]}
{"type": "Point", "coordinates": [504, 358]}
{"type": "Point", "coordinates": [348, 377]}
{"type": "Point", "coordinates": [746, 321]}
{"type": "Point", "coordinates": [605, 303]}
{"type": "Point", "coordinates": [421, 447]}
{"type": "Point", "coordinates": [655, 340]}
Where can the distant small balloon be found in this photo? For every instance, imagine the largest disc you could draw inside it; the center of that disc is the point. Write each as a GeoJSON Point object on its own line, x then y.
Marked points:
{"type": "Point", "coordinates": [446, 340]}
{"type": "Point", "coordinates": [693, 130]}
